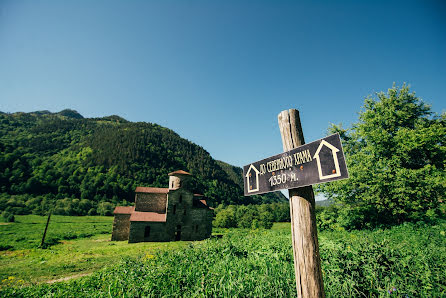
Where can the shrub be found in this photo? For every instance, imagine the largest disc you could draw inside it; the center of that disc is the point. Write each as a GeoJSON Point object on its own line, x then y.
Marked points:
{"type": "Point", "coordinates": [8, 217]}
{"type": "Point", "coordinates": [251, 216]}
{"type": "Point", "coordinates": [105, 208]}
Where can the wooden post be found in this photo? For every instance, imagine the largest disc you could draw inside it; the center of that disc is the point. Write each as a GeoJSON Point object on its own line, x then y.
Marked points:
{"type": "Point", "coordinates": [46, 228]}
{"type": "Point", "coordinates": [307, 262]}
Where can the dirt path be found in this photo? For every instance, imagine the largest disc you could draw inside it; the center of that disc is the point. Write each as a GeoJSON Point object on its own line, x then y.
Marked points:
{"type": "Point", "coordinates": [69, 277]}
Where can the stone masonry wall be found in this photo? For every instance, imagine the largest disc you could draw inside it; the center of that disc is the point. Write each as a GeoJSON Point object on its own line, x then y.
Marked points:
{"type": "Point", "coordinates": [201, 219]}
{"type": "Point", "coordinates": [157, 231]}
{"type": "Point", "coordinates": [193, 223]}
{"type": "Point", "coordinates": [151, 202]}
{"type": "Point", "coordinates": [121, 227]}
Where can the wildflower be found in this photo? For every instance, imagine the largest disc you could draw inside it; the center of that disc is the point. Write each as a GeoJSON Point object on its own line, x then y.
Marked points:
{"type": "Point", "coordinates": [393, 289]}
{"type": "Point", "coordinates": [148, 257]}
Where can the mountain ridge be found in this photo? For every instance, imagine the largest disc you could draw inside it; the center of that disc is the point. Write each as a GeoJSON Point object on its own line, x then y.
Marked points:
{"type": "Point", "coordinates": [57, 156]}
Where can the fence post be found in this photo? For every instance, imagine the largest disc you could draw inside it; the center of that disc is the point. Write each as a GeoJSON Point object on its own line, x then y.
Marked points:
{"type": "Point", "coordinates": [46, 228]}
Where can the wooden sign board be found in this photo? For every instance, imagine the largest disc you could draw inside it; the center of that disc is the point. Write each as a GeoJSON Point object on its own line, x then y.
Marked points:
{"type": "Point", "coordinates": [313, 163]}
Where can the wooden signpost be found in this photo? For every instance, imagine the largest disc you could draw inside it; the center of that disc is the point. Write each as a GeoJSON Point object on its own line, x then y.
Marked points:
{"type": "Point", "coordinates": [317, 162]}
{"type": "Point", "coordinates": [297, 169]}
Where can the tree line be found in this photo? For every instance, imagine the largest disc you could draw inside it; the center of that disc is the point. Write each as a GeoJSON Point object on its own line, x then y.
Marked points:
{"type": "Point", "coordinates": [251, 216]}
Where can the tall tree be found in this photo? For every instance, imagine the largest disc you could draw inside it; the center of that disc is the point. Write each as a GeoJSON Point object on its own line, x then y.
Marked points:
{"type": "Point", "coordinates": [396, 157]}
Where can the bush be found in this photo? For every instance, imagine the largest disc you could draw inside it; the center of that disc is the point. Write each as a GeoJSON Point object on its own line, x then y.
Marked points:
{"type": "Point", "coordinates": [251, 216]}
{"type": "Point", "coordinates": [226, 218]}
{"type": "Point", "coordinates": [105, 208]}
{"type": "Point", "coordinates": [8, 217]}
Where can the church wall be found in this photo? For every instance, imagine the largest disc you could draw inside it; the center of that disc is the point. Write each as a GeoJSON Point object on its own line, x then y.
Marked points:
{"type": "Point", "coordinates": [196, 223]}
{"type": "Point", "coordinates": [157, 232]}
{"type": "Point", "coordinates": [121, 227]}
{"type": "Point", "coordinates": [151, 202]}
{"type": "Point", "coordinates": [179, 206]}
{"type": "Point", "coordinates": [201, 223]}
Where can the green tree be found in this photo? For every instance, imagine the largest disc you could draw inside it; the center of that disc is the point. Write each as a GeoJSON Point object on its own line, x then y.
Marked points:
{"type": "Point", "coordinates": [105, 208]}
{"type": "Point", "coordinates": [266, 219]}
{"type": "Point", "coordinates": [396, 157]}
{"type": "Point", "coordinates": [226, 218]}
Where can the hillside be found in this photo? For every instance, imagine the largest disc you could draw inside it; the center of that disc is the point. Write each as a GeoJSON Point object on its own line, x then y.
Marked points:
{"type": "Point", "coordinates": [87, 165]}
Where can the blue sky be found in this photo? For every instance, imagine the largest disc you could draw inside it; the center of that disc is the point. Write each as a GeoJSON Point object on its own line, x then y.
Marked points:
{"type": "Point", "coordinates": [219, 72]}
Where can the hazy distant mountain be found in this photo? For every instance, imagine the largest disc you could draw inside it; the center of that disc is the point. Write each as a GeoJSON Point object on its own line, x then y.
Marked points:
{"type": "Point", "coordinates": [324, 203]}
{"type": "Point", "coordinates": [64, 155]}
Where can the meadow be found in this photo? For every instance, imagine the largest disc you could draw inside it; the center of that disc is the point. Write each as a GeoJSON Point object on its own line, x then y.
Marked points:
{"type": "Point", "coordinates": [406, 260]}
{"type": "Point", "coordinates": [27, 230]}
{"type": "Point", "coordinates": [74, 245]}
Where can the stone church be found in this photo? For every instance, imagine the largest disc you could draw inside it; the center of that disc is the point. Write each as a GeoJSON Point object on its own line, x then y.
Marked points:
{"type": "Point", "coordinates": [164, 214]}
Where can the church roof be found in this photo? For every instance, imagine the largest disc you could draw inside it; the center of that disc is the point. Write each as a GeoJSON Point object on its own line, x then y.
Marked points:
{"type": "Point", "coordinates": [151, 189]}
{"type": "Point", "coordinates": [148, 216]}
{"type": "Point", "coordinates": [197, 203]}
{"type": "Point", "coordinates": [179, 172]}
{"type": "Point", "coordinates": [123, 210]}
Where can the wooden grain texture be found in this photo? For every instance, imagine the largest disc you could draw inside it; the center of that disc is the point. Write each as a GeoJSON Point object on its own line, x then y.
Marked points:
{"type": "Point", "coordinates": [307, 262]}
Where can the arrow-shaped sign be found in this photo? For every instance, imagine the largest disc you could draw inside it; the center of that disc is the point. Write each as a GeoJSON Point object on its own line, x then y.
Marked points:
{"type": "Point", "coordinates": [248, 175]}
{"type": "Point", "coordinates": [316, 162]}
{"type": "Point", "coordinates": [334, 150]}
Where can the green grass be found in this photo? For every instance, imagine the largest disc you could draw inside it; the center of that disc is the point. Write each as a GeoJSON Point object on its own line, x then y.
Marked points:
{"type": "Point", "coordinates": [245, 263]}
{"type": "Point", "coordinates": [27, 230]}
{"type": "Point", "coordinates": [80, 245]}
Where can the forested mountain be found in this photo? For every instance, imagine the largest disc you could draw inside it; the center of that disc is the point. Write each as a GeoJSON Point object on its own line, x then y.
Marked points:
{"type": "Point", "coordinates": [78, 165]}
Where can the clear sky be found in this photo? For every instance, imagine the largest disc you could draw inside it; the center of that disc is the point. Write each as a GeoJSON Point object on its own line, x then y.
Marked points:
{"type": "Point", "coordinates": [219, 72]}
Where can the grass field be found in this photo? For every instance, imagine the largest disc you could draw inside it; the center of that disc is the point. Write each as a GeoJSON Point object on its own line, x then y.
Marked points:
{"type": "Point", "coordinates": [408, 260]}
{"type": "Point", "coordinates": [79, 245]}
{"type": "Point", "coordinates": [27, 230]}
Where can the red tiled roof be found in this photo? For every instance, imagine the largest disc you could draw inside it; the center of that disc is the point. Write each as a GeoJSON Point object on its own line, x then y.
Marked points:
{"type": "Point", "coordinates": [148, 216]}
{"type": "Point", "coordinates": [151, 189]}
{"type": "Point", "coordinates": [123, 210]}
{"type": "Point", "coordinates": [204, 202]}
{"type": "Point", "coordinates": [179, 172]}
